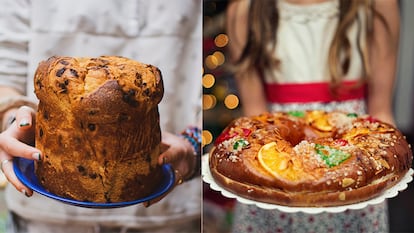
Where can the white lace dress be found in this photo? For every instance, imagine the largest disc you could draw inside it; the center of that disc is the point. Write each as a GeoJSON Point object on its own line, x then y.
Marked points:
{"type": "Point", "coordinates": [303, 42]}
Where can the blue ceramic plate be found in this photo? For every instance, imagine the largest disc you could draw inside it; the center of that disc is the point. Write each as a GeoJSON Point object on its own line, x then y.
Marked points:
{"type": "Point", "coordinates": [24, 169]}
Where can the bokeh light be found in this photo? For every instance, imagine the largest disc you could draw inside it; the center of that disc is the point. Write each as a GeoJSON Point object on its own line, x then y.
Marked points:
{"type": "Point", "coordinates": [219, 56]}
{"type": "Point", "coordinates": [209, 101]}
{"type": "Point", "coordinates": [206, 137]}
{"type": "Point", "coordinates": [208, 80]}
{"type": "Point", "coordinates": [231, 101]}
{"type": "Point", "coordinates": [211, 62]}
{"type": "Point", "coordinates": [221, 40]}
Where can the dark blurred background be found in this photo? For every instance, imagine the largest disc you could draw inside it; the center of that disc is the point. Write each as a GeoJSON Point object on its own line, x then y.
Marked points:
{"type": "Point", "coordinates": [221, 105]}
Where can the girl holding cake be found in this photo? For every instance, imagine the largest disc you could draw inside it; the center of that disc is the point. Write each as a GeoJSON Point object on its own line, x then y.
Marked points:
{"type": "Point", "coordinates": [316, 54]}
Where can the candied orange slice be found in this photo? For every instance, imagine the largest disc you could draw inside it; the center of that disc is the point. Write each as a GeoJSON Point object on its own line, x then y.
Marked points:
{"type": "Point", "coordinates": [319, 120]}
{"type": "Point", "coordinates": [355, 132]}
{"type": "Point", "coordinates": [277, 163]}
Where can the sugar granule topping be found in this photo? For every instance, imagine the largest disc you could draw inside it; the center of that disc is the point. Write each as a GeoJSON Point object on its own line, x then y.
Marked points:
{"type": "Point", "coordinates": [341, 121]}
{"type": "Point", "coordinates": [233, 158]}
{"type": "Point", "coordinates": [306, 149]}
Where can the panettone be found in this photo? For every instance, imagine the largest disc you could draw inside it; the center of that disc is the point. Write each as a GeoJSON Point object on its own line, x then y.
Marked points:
{"type": "Point", "coordinates": [98, 128]}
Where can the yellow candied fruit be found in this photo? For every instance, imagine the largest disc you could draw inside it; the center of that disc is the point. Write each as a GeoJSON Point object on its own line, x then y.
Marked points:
{"type": "Point", "coordinates": [342, 196]}
{"type": "Point", "coordinates": [347, 182]}
{"type": "Point", "coordinates": [277, 163]}
{"type": "Point", "coordinates": [319, 120]}
{"type": "Point", "coordinates": [355, 132]}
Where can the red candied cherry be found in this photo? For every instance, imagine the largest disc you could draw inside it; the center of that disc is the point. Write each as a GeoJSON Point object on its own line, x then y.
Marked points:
{"type": "Point", "coordinates": [371, 119]}
{"type": "Point", "coordinates": [225, 135]}
{"type": "Point", "coordinates": [341, 142]}
{"type": "Point", "coordinates": [246, 132]}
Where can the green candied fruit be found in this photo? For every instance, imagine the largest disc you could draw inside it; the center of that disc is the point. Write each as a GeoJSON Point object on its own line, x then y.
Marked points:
{"type": "Point", "coordinates": [331, 156]}
{"type": "Point", "coordinates": [352, 115]}
{"type": "Point", "coordinates": [241, 143]}
{"type": "Point", "coordinates": [297, 113]}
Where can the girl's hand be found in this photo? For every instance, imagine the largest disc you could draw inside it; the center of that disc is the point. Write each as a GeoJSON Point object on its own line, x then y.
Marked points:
{"type": "Point", "coordinates": [16, 141]}
{"type": "Point", "coordinates": [180, 154]}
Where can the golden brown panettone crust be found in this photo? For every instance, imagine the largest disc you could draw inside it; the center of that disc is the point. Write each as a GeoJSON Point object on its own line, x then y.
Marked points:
{"type": "Point", "coordinates": [380, 158]}
{"type": "Point", "coordinates": [98, 128]}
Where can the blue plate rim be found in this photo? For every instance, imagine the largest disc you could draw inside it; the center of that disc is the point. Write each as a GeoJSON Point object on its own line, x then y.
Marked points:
{"type": "Point", "coordinates": [18, 162]}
